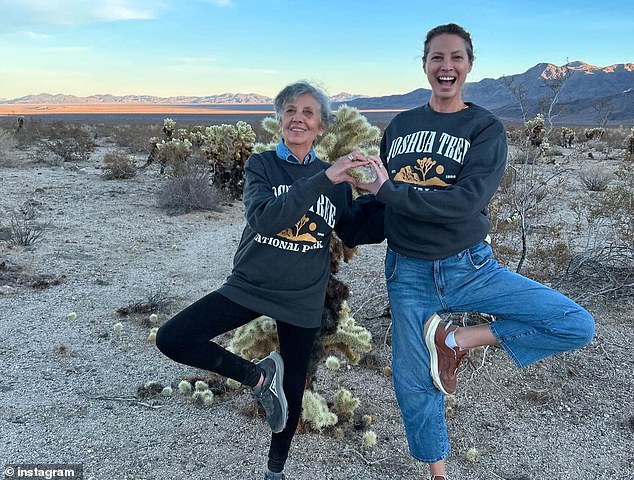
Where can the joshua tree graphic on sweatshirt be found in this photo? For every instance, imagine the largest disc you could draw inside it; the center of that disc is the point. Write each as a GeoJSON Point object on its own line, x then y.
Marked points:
{"type": "Point", "coordinates": [296, 233]}
{"type": "Point", "coordinates": [409, 174]}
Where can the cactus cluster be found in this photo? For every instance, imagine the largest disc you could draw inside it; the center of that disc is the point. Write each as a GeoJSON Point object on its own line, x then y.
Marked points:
{"type": "Point", "coordinates": [594, 133]}
{"type": "Point", "coordinates": [174, 153]}
{"type": "Point", "coordinates": [226, 149]}
{"type": "Point", "coordinates": [222, 148]}
{"type": "Point", "coordinates": [567, 136]}
{"type": "Point", "coordinates": [349, 338]}
{"type": "Point", "coordinates": [535, 130]}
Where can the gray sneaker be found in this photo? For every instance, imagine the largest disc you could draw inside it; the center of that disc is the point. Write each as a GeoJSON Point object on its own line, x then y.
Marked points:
{"type": "Point", "coordinates": [269, 475]}
{"type": "Point", "coordinates": [271, 393]}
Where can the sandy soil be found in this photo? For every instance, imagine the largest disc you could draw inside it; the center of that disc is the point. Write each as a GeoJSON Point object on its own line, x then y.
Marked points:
{"type": "Point", "coordinates": [69, 389]}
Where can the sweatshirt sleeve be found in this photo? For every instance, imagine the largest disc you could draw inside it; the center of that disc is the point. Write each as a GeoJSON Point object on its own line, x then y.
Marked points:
{"type": "Point", "coordinates": [269, 214]}
{"type": "Point", "coordinates": [476, 184]}
{"type": "Point", "coordinates": [362, 221]}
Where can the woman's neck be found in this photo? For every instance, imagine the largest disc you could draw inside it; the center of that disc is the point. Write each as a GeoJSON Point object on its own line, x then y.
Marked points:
{"type": "Point", "coordinates": [300, 153]}
{"type": "Point", "coordinates": [447, 106]}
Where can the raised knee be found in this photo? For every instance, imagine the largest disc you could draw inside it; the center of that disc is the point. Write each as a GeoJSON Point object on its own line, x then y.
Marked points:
{"type": "Point", "coordinates": [164, 343]}
{"type": "Point", "coordinates": [584, 329]}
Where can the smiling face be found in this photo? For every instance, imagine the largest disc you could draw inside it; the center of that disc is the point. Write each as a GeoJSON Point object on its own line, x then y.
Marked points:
{"type": "Point", "coordinates": [300, 124]}
{"type": "Point", "coordinates": [447, 65]}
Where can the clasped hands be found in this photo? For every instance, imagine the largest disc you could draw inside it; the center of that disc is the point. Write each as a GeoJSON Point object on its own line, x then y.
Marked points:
{"type": "Point", "coordinates": [345, 169]}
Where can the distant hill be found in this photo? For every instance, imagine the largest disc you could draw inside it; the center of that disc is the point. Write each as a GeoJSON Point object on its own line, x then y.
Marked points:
{"type": "Point", "coordinates": [223, 98]}
{"type": "Point", "coordinates": [587, 89]}
{"type": "Point", "coordinates": [61, 99]}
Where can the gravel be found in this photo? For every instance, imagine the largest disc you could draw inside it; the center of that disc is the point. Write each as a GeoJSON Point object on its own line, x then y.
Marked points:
{"type": "Point", "coordinates": [70, 385]}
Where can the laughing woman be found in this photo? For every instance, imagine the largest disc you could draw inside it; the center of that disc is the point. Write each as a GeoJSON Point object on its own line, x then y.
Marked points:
{"type": "Point", "coordinates": [293, 201]}
{"type": "Point", "coordinates": [443, 163]}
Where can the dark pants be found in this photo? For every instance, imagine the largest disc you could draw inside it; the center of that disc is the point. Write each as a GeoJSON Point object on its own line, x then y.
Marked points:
{"type": "Point", "coordinates": [186, 339]}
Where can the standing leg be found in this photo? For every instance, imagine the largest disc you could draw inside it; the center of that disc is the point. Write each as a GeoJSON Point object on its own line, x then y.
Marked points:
{"type": "Point", "coordinates": [413, 298]}
{"type": "Point", "coordinates": [296, 346]}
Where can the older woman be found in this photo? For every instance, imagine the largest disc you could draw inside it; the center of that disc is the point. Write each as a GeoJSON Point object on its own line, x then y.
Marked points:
{"type": "Point", "coordinates": [293, 201]}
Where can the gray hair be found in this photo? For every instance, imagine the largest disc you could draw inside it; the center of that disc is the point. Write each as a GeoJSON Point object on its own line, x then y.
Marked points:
{"type": "Point", "coordinates": [291, 92]}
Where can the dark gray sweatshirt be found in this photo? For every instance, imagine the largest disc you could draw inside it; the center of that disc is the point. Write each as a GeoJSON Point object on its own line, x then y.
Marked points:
{"type": "Point", "coordinates": [282, 264]}
{"type": "Point", "coordinates": [444, 168]}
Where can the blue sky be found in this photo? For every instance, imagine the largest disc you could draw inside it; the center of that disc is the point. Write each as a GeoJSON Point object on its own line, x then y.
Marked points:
{"type": "Point", "coordinates": [204, 47]}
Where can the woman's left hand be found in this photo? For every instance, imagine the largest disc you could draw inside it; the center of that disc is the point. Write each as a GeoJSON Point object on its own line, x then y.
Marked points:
{"type": "Point", "coordinates": [338, 171]}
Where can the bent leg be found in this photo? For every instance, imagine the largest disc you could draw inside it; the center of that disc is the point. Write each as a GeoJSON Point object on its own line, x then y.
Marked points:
{"type": "Point", "coordinates": [533, 321]}
{"type": "Point", "coordinates": [186, 338]}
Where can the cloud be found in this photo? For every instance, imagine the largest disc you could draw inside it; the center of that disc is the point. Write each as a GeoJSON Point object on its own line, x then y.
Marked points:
{"type": "Point", "coordinates": [67, 49]}
{"type": "Point", "coordinates": [29, 35]}
{"type": "Point", "coordinates": [220, 3]}
{"type": "Point", "coordinates": [75, 12]}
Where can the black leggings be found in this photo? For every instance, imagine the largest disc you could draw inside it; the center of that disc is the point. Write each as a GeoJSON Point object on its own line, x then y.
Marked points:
{"type": "Point", "coordinates": [186, 338]}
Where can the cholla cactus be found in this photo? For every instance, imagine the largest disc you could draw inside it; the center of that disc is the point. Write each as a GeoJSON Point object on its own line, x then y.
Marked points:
{"type": "Point", "coordinates": [256, 339]}
{"type": "Point", "coordinates": [594, 133]}
{"type": "Point", "coordinates": [349, 131]}
{"type": "Point", "coordinates": [567, 136]}
{"type": "Point", "coordinates": [201, 386]}
{"type": "Point", "coordinates": [473, 455]}
{"type": "Point", "coordinates": [349, 338]}
{"type": "Point", "coordinates": [151, 338]}
{"type": "Point", "coordinates": [196, 135]}
{"type": "Point", "coordinates": [345, 404]}
{"type": "Point", "coordinates": [368, 439]}
{"type": "Point", "coordinates": [333, 363]}
{"type": "Point", "coordinates": [185, 387]}
{"type": "Point", "coordinates": [272, 127]}
{"type": "Point", "coordinates": [168, 127]}
{"type": "Point", "coordinates": [226, 149]}
{"type": "Point", "coordinates": [315, 411]}
{"type": "Point", "coordinates": [535, 130]}
{"type": "Point", "coordinates": [174, 153]}
{"type": "Point", "coordinates": [203, 397]}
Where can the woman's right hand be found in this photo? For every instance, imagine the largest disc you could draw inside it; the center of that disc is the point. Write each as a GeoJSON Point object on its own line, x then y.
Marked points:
{"type": "Point", "coordinates": [381, 175]}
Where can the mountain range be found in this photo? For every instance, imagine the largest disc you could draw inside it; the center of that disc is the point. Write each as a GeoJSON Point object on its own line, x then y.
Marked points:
{"type": "Point", "coordinates": [586, 95]}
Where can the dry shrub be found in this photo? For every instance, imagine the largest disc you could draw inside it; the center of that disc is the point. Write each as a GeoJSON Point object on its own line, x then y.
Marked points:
{"type": "Point", "coordinates": [118, 165]}
{"type": "Point", "coordinates": [68, 143]}
{"type": "Point", "coordinates": [25, 230]}
{"type": "Point", "coordinates": [604, 268]}
{"type": "Point", "coordinates": [190, 192]}
{"type": "Point", "coordinates": [596, 179]}
{"type": "Point", "coordinates": [130, 137]}
{"type": "Point", "coordinates": [7, 149]}
{"type": "Point", "coordinates": [157, 301]}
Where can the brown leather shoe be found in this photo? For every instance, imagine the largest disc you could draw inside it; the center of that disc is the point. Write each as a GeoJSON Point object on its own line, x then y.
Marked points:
{"type": "Point", "coordinates": [444, 361]}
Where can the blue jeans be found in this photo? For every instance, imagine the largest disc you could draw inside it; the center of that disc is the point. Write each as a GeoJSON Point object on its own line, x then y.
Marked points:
{"type": "Point", "coordinates": [532, 322]}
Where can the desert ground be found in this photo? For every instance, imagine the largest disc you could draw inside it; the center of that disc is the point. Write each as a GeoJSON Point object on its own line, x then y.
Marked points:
{"type": "Point", "coordinates": [72, 384]}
